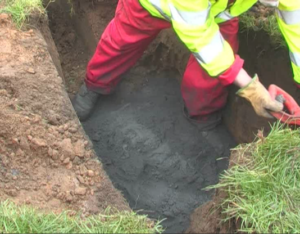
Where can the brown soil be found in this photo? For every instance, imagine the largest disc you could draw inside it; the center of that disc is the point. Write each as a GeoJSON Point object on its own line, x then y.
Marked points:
{"type": "Point", "coordinates": [208, 217]}
{"type": "Point", "coordinates": [261, 13]}
{"type": "Point", "coordinates": [273, 67]}
{"type": "Point", "coordinates": [45, 158]}
{"type": "Point", "coordinates": [74, 54]}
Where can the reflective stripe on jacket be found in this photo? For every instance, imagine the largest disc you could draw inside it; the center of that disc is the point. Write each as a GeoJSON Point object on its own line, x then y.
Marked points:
{"type": "Point", "coordinates": [288, 18]}
{"type": "Point", "coordinates": [196, 24]}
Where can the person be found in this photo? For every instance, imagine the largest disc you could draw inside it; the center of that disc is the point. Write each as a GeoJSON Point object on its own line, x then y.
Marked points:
{"type": "Point", "coordinates": [208, 28]}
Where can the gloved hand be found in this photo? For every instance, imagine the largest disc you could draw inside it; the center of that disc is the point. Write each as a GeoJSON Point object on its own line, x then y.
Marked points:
{"type": "Point", "coordinates": [260, 98]}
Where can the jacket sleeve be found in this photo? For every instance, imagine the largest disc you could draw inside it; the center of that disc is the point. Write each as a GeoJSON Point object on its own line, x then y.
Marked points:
{"type": "Point", "coordinates": [197, 29]}
{"type": "Point", "coordinates": [288, 18]}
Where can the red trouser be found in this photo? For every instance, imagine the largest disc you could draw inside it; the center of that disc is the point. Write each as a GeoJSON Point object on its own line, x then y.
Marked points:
{"type": "Point", "coordinates": [126, 38]}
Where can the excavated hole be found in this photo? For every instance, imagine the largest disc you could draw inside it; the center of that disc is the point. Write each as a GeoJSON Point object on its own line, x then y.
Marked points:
{"type": "Point", "coordinates": [150, 151]}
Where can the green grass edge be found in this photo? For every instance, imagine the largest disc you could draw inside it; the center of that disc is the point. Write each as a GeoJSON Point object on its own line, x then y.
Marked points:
{"type": "Point", "coordinates": [21, 10]}
{"type": "Point", "coordinates": [264, 190]}
{"type": "Point", "coordinates": [248, 23]}
{"type": "Point", "coordinates": [26, 219]}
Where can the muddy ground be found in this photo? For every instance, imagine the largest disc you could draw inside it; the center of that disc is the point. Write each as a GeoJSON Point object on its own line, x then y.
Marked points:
{"type": "Point", "coordinates": [152, 153]}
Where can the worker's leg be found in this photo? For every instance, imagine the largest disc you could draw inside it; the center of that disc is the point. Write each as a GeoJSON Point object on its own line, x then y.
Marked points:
{"type": "Point", "coordinates": [121, 45]}
{"type": "Point", "coordinates": [203, 95]}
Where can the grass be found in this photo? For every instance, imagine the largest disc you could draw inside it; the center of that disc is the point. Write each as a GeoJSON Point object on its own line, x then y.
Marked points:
{"type": "Point", "coordinates": [25, 219]}
{"type": "Point", "coordinates": [264, 188]}
{"type": "Point", "coordinates": [268, 24]}
{"type": "Point", "coordinates": [20, 10]}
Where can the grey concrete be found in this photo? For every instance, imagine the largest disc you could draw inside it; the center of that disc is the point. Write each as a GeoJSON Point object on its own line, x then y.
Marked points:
{"type": "Point", "coordinates": [152, 153]}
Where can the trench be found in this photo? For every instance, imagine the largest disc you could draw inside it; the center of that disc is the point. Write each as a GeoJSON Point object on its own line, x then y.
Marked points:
{"type": "Point", "coordinates": [159, 161]}
{"type": "Point", "coordinates": [152, 153]}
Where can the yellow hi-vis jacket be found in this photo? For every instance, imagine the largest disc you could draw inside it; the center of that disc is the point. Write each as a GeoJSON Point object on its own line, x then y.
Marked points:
{"type": "Point", "coordinates": [196, 24]}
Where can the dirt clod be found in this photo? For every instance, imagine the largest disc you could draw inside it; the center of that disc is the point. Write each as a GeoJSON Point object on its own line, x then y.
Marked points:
{"type": "Point", "coordinates": [50, 152]}
{"type": "Point", "coordinates": [66, 161]}
{"type": "Point", "coordinates": [90, 173]}
{"type": "Point", "coordinates": [79, 148]}
{"type": "Point", "coordinates": [62, 158]}
{"type": "Point", "coordinates": [15, 141]}
{"type": "Point", "coordinates": [83, 170]}
{"type": "Point", "coordinates": [69, 165]}
{"type": "Point", "coordinates": [24, 143]}
{"type": "Point", "coordinates": [77, 160]}
{"type": "Point", "coordinates": [12, 192]}
{"type": "Point", "coordinates": [80, 179]}
{"type": "Point", "coordinates": [80, 191]}
{"type": "Point", "coordinates": [4, 18]}
{"type": "Point", "coordinates": [38, 143]}
{"type": "Point", "coordinates": [67, 148]}
{"type": "Point", "coordinates": [73, 129]}
{"type": "Point", "coordinates": [68, 196]}
{"type": "Point", "coordinates": [31, 70]}
{"type": "Point", "coordinates": [66, 127]}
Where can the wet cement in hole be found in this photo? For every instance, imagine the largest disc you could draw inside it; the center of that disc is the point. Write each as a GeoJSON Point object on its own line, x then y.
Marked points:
{"type": "Point", "coordinates": [152, 153]}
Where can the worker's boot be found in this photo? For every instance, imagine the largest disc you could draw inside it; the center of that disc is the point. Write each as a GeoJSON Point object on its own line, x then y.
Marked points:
{"type": "Point", "coordinates": [210, 122]}
{"type": "Point", "coordinates": [84, 102]}
{"type": "Point", "coordinates": [214, 132]}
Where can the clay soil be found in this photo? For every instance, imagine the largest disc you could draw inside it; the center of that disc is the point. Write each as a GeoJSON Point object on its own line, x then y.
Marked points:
{"type": "Point", "coordinates": [45, 158]}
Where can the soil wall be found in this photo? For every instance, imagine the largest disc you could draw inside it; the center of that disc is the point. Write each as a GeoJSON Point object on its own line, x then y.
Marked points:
{"type": "Point", "coordinates": [45, 158]}
{"type": "Point", "coordinates": [273, 66]}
